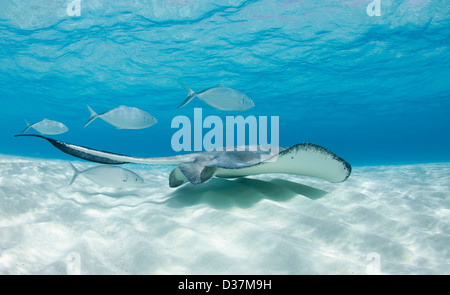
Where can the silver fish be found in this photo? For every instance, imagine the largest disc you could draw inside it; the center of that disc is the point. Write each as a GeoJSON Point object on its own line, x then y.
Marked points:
{"type": "Point", "coordinates": [124, 117]}
{"type": "Point", "coordinates": [221, 98]}
{"type": "Point", "coordinates": [47, 126]}
{"type": "Point", "coordinates": [111, 176]}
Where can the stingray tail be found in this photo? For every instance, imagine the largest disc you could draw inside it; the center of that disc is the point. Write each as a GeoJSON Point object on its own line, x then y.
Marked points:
{"type": "Point", "coordinates": [190, 96]}
{"type": "Point", "coordinates": [94, 116]}
{"type": "Point", "coordinates": [28, 127]}
{"type": "Point", "coordinates": [75, 173]}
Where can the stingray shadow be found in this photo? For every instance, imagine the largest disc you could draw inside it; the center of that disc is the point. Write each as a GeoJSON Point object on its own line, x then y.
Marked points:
{"type": "Point", "coordinates": [222, 193]}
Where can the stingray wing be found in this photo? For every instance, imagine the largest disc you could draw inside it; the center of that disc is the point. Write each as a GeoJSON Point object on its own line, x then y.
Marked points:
{"type": "Point", "coordinates": [301, 159]}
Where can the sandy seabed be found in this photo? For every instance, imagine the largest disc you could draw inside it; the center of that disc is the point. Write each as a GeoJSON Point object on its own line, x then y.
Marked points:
{"type": "Point", "coordinates": [382, 220]}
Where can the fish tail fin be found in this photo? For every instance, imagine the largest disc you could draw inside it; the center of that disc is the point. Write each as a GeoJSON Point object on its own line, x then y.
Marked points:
{"type": "Point", "coordinates": [75, 173]}
{"type": "Point", "coordinates": [28, 127]}
{"type": "Point", "coordinates": [94, 116]}
{"type": "Point", "coordinates": [190, 96]}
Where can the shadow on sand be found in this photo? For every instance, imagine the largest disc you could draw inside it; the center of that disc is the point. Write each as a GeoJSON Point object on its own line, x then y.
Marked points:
{"type": "Point", "coordinates": [222, 193]}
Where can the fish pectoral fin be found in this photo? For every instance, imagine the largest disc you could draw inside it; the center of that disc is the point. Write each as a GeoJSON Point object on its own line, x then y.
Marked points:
{"type": "Point", "coordinates": [197, 173]}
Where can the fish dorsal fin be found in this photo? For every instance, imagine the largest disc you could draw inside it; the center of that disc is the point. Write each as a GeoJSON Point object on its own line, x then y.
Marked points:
{"type": "Point", "coordinates": [197, 173]}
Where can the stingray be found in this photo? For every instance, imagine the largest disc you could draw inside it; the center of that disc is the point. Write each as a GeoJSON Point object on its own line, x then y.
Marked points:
{"type": "Point", "coordinates": [305, 159]}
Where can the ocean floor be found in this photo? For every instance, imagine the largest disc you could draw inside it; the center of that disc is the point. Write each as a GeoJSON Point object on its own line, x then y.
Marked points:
{"type": "Point", "coordinates": [382, 220]}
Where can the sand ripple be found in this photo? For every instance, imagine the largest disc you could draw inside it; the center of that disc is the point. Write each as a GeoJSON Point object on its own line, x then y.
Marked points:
{"type": "Point", "coordinates": [396, 217]}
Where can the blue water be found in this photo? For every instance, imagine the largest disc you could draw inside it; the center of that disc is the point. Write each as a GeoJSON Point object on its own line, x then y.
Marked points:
{"type": "Point", "coordinates": [374, 90]}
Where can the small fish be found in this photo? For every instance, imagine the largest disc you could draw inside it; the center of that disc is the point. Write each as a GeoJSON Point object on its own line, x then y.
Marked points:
{"type": "Point", "coordinates": [107, 175]}
{"type": "Point", "coordinates": [124, 117]}
{"type": "Point", "coordinates": [47, 127]}
{"type": "Point", "coordinates": [221, 98]}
